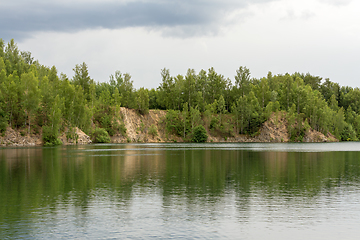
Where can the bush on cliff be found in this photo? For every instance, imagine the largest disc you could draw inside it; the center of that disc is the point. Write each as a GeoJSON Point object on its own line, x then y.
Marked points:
{"type": "Point", "coordinates": [100, 135]}
{"type": "Point", "coordinates": [3, 122]}
{"type": "Point", "coordinates": [199, 134]}
{"type": "Point", "coordinates": [50, 137]}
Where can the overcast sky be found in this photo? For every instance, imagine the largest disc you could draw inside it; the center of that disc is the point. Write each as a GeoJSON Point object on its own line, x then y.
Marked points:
{"type": "Point", "coordinates": [141, 37]}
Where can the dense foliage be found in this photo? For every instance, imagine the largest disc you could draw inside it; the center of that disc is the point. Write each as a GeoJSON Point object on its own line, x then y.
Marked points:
{"type": "Point", "coordinates": [199, 134]}
{"type": "Point", "coordinates": [100, 135]}
{"type": "Point", "coordinates": [35, 98]}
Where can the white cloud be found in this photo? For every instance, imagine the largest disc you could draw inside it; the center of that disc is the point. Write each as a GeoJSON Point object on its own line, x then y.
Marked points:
{"type": "Point", "coordinates": [337, 2]}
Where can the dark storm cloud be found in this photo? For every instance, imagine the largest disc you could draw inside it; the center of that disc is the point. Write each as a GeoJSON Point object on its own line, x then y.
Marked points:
{"type": "Point", "coordinates": [21, 18]}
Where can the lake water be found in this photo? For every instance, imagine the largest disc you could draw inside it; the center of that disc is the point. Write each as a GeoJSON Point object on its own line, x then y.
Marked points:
{"type": "Point", "coordinates": [186, 191]}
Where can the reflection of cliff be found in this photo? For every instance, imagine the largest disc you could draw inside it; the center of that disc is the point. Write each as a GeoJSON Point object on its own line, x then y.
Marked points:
{"type": "Point", "coordinates": [177, 171]}
{"type": "Point", "coordinates": [276, 162]}
{"type": "Point", "coordinates": [140, 162]}
{"type": "Point", "coordinates": [182, 179]}
{"type": "Point", "coordinates": [197, 170]}
{"type": "Point", "coordinates": [15, 156]}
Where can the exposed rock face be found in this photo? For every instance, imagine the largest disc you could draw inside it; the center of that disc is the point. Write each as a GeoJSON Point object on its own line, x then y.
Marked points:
{"type": "Point", "coordinates": [138, 130]}
{"type": "Point", "coordinates": [274, 130]}
{"type": "Point", "coordinates": [82, 138]}
{"type": "Point", "coordinates": [14, 138]}
{"type": "Point", "coordinates": [314, 136]}
{"type": "Point", "coordinates": [138, 126]}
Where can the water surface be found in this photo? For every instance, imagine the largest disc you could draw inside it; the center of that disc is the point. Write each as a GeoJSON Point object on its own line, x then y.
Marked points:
{"type": "Point", "coordinates": [144, 191]}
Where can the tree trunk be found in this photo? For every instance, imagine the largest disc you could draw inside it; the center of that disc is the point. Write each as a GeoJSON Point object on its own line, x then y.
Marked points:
{"type": "Point", "coordinates": [29, 122]}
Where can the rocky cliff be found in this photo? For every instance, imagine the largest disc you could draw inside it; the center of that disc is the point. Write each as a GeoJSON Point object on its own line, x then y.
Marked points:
{"type": "Point", "coordinates": [273, 130]}
{"type": "Point", "coordinates": [19, 139]}
{"type": "Point", "coordinates": [150, 128]}
{"type": "Point", "coordinates": [138, 127]}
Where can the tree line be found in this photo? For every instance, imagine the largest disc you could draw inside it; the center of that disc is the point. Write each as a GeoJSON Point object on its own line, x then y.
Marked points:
{"type": "Point", "coordinates": [35, 98]}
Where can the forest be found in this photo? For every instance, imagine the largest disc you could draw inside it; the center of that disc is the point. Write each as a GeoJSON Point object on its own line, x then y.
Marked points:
{"type": "Point", "coordinates": [37, 99]}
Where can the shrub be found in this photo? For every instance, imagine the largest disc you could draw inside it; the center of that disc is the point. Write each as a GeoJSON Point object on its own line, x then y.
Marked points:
{"type": "Point", "coordinates": [214, 123]}
{"type": "Point", "coordinates": [121, 128]}
{"type": "Point", "coordinates": [100, 135]}
{"type": "Point", "coordinates": [106, 118]}
{"type": "Point", "coordinates": [348, 133]}
{"type": "Point", "coordinates": [50, 137]}
{"type": "Point", "coordinates": [71, 134]}
{"type": "Point", "coordinates": [153, 130]}
{"type": "Point", "coordinates": [3, 121]}
{"type": "Point", "coordinates": [297, 134]}
{"type": "Point", "coordinates": [174, 124]}
{"type": "Point", "coordinates": [142, 127]}
{"type": "Point", "coordinates": [107, 123]}
{"type": "Point", "coordinates": [199, 134]}
{"type": "Point", "coordinates": [110, 124]}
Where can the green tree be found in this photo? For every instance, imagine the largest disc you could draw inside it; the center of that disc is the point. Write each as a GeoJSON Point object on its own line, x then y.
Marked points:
{"type": "Point", "coordinates": [313, 81]}
{"type": "Point", "coordinates": [253, 117]}
{"type": "Point", "coordinates": [291, 117]}
{"type": "Point", "coordinates": [55, 115]}
{"type": "Point", "coordinates": [242, 81]}
{"type": "Point", "coordinates": [67, 91]}
{"type": "Point", "coordinates": [116, 98]}
{"type": "Point", "coordinates": [195, 117]}
{"type": "Point", "coordinates": [2, 66]}
{"type": "Point", "coordinates": [173, 122]}
{"type": "Point", "coordinates": [11, 94]}
{"type": "Point", "coordinates": [51, 132]}
{"type": "Point", "coordinates": [47, 98]}
{"type": "Point", "coordinates": [201, 83]}
{"type": "Point", "coordinates": [189, 88]}
{"type": "Point", "coordinates": [105, 98]}
{"type": "Point", "coordinates": [13, 59]}
{"type": "Point", "coordinates": [185, 113]}
{"type": "Point", "coordinates": [215, 86]}
{"type": "Point", "coordinates": [166, 90]}
{"type": "Point", "coordinates": [127, 91]}
{"type": "Point", "coordinates": [263, 93]}
{"type": "Point", "coordinates": [328, 89]}
{"type": "Point", "coordinates": [142, 101]}
{"type": "Point", "coordinates": [287, 91]}
{"type": "Point", "coordinates": [333, 104]}
{"type": "Point", "coordinates": [241, 111]}
{"type": "Point", "coordinates": [3, 114]}
{"type": "Point", "coordinates": [82, 78]}
{"type": "Point", "coordinates": [348, 133]}
{"type": "Point", "coordinates": [31, 94]}
{"type": "Point", "coordinates": [221, 107]}
{"type": "Point", "coordinates": [299, 93]}
{"type": "Point", "coordinates": [2, 45]}
{"type": "Point", "coordinates": [338, 123]}
{"type": "Point", "coordinates": [92, 95]}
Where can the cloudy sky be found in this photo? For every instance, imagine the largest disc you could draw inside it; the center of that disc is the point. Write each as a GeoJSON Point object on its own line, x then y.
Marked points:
{"type": "Point", "coordinates": [141, 37]}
